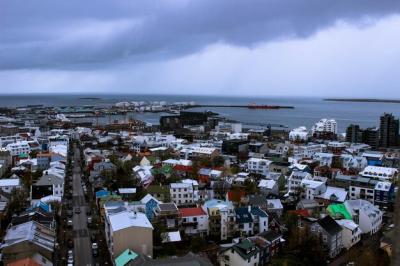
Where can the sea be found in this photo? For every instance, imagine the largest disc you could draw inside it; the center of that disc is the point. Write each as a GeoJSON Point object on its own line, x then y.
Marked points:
{"type": "Point", "coordinates": [306, 112]}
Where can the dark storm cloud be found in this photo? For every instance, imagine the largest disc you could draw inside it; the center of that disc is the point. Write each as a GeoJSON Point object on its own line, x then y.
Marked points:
{"type": "Point", "coordinates": [69, 34]}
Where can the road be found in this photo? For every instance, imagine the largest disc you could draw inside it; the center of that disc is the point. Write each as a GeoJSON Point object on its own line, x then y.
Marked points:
{"type": "Point", "coordinates": [82, 244]}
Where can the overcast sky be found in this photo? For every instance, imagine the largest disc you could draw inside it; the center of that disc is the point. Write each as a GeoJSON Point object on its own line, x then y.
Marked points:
{"type": "Point", "coordinates": [341, 48]}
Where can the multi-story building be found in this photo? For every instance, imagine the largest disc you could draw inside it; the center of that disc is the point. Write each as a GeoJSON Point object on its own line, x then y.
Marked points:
{"type": "Point", "coordinates": [17, 148]}
{"type": "Point", "coordinates": [251, 220]}
{"type": "Point", "coordinates": [221, 218]}
{"type": "Point", "coordinates": [380, 173]}
{"type": "Point", "coordinates": [237, 254]}
{"type": "Point", "coordinates": [353, 134]}
{"type": "Point", "coordinates": [294, 180]}
{"type": "Point", "coordinates": [121, 228]}
{"type": "Point", "coordinates": [384, 195]}
{"type": "Point", "coordinates": [194, 221]}
{"type": "Point", "coordinates": [330, 233]}
{"type": "Point", "coordinates": [351, 233]}
{"type": "Point", "coordinates": [325, 125]}
{"type": "Point", "coordinates": [182, 193]}
{"type": "Point", "coordinates": [389, 131]}
{"type": "Point", "coordinates": [258, 166]}
{"type": "Point", "coordinates": [365, 214]}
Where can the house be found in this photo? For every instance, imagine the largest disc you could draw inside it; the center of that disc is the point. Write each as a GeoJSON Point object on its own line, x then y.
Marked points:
{"type": "Point", "coordinates": [264, 247]}
{"type": "Point", "coordinates": [237, 254]}
{"type": "Point", "coordinates": [365, 214]}
{"type": "Point", "coordinates": [384, 195]}
{"type": "Point", "coordinates": [258, 166]}
{"type": "Point", "coordinates": [205, 152]}
{"type": "Point", "coordinates": [221, 218]}
{"type": "Point", "coordinates": [351, 233]}
{"type": "Point", "coordinates": [150, 204]}
{"type": "Point", "coordinates": [295, 179]}
{"type": "Point", "coordinates": [330, 233]}
{"type": "Point", "coordinates": [182, 193]}
{"type": "Point", "coordinates": [168, 214]}
{"type": "Point", "coordinates": [275, 206]}
{"type": "Point", "coordinates": [275, 241]}
{"type": "Point", "coordinates": [47, 185]}
{"type": "Point", "coordinates": [310, 205]}
{"type": "Point", "coordinates": [251, 220]}
{"type": "Point", "coordinates": [194, 221]}
{"type": "Point", "coordinates": [9, 184]}
{"type": "Point", "coordinates": [312, 188]}
{"type": "Point", "coordinates": [123, 227]}
{"type": "Point", "coordinates": [332, 195]}
{"type": "Point", "coordinates": [268, 186]}
{"type": "Point", "coordinates": [28, 240]}
{"type": "Point", "coordinates": [143, 174]}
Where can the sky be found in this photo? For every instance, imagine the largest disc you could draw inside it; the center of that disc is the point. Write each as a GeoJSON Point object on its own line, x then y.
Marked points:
{"type": "Point", "coordinates": [330, 48]}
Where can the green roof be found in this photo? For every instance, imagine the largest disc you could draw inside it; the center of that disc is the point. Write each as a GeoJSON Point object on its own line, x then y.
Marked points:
{"type": "Point", "coordinates": [125, 257]}
{"type": "Point", "coordinates": [338, 211]}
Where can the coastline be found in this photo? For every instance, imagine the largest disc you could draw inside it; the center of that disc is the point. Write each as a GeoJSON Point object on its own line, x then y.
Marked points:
{"type": "Point", "coordinates": [360, 100]}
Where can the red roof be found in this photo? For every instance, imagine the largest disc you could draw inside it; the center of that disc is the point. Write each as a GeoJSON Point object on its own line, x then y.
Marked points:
{"type": "Point", "coordinates": [236, 195]}
{"type": "Point", "coordinates": [183, 168]}
{"type": "Point", "coordinates": [185, 212]}
{"type": "Point", "coordinates": [24, 262]}
{"type": "Point", "coordinates": [301, 212]}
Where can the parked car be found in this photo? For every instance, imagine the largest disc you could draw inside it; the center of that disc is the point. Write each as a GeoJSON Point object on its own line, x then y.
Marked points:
{"type": "Point", "coordinates": [95, 249]}
{"type": "Point", "coordinates": [77, 210]}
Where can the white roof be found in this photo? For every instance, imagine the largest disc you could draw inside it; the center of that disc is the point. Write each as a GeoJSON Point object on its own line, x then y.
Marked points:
{"type": "Point", "coordinates": [181, 185]}
{"type": "Point", "coordinates": [10, 182]}
{"type": "Point", "coordinates": [190, 181]}
{"type": "Point", "coordinates": [274, 204]}
{"type": "Point", "coordinates": [340, 193]}
{"type": "Point", "coordinates": [378, 171]}
{"type": "Point", "coordinates": [267, 183]}
{"type": "Point", "coordinates": [311, 183]}
{"type": "Point", "coordinates": [171, 237]}
{"type": "Point", "coordinates": [127, 190]}
{"type": "Point", "coordinates": [349, 224]}
{"type": "Point", "coordinates": [204, 150]}
{"type": "Point", "coordinates": [126, 219]}
{"type": "Point", "coordinates": [60, 149]}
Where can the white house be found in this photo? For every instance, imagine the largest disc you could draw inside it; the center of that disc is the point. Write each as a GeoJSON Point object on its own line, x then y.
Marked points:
{"type": "Point", "coordinates": [258, 166]}
{"type": "Point", "coordinates": [351, 233]}
{"type": "Point", "coordinates": [182, 193]}
{"type": "Point", "coordinates": [244, 253]}
{"type": "Point", "coordinates": [368, 216]}
{"type": "Point", "coordinates": [9, 184]}
{"type": "Point", "coordinates": [194, 220]}
{"type": "Point", "coordinates": [295, 178]}
{"type": "Point", "coordinates": [312, 188]}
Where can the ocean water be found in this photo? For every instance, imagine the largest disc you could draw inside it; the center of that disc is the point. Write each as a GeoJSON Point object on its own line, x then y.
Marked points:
{"type": "Point", "coordinates": [307, 111]}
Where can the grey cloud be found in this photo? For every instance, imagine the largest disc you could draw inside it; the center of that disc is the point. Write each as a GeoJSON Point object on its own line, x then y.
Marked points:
{"type": "Point", "coordinates": [92, 34]}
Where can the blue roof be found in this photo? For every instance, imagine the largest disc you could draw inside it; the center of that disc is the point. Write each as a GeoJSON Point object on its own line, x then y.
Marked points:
{"type": "Point", "coordinates": [40, 204]}
{"type": "Point", "coordinates": [102, 193]}
{"type": "Point", "coordinates": [243, 215]}
{"type": "Point", "coordinates": [257, 211]}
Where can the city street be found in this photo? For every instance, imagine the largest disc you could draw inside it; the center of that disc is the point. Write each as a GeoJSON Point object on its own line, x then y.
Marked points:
{"type": "Point", "coordinates": [82, 244]}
